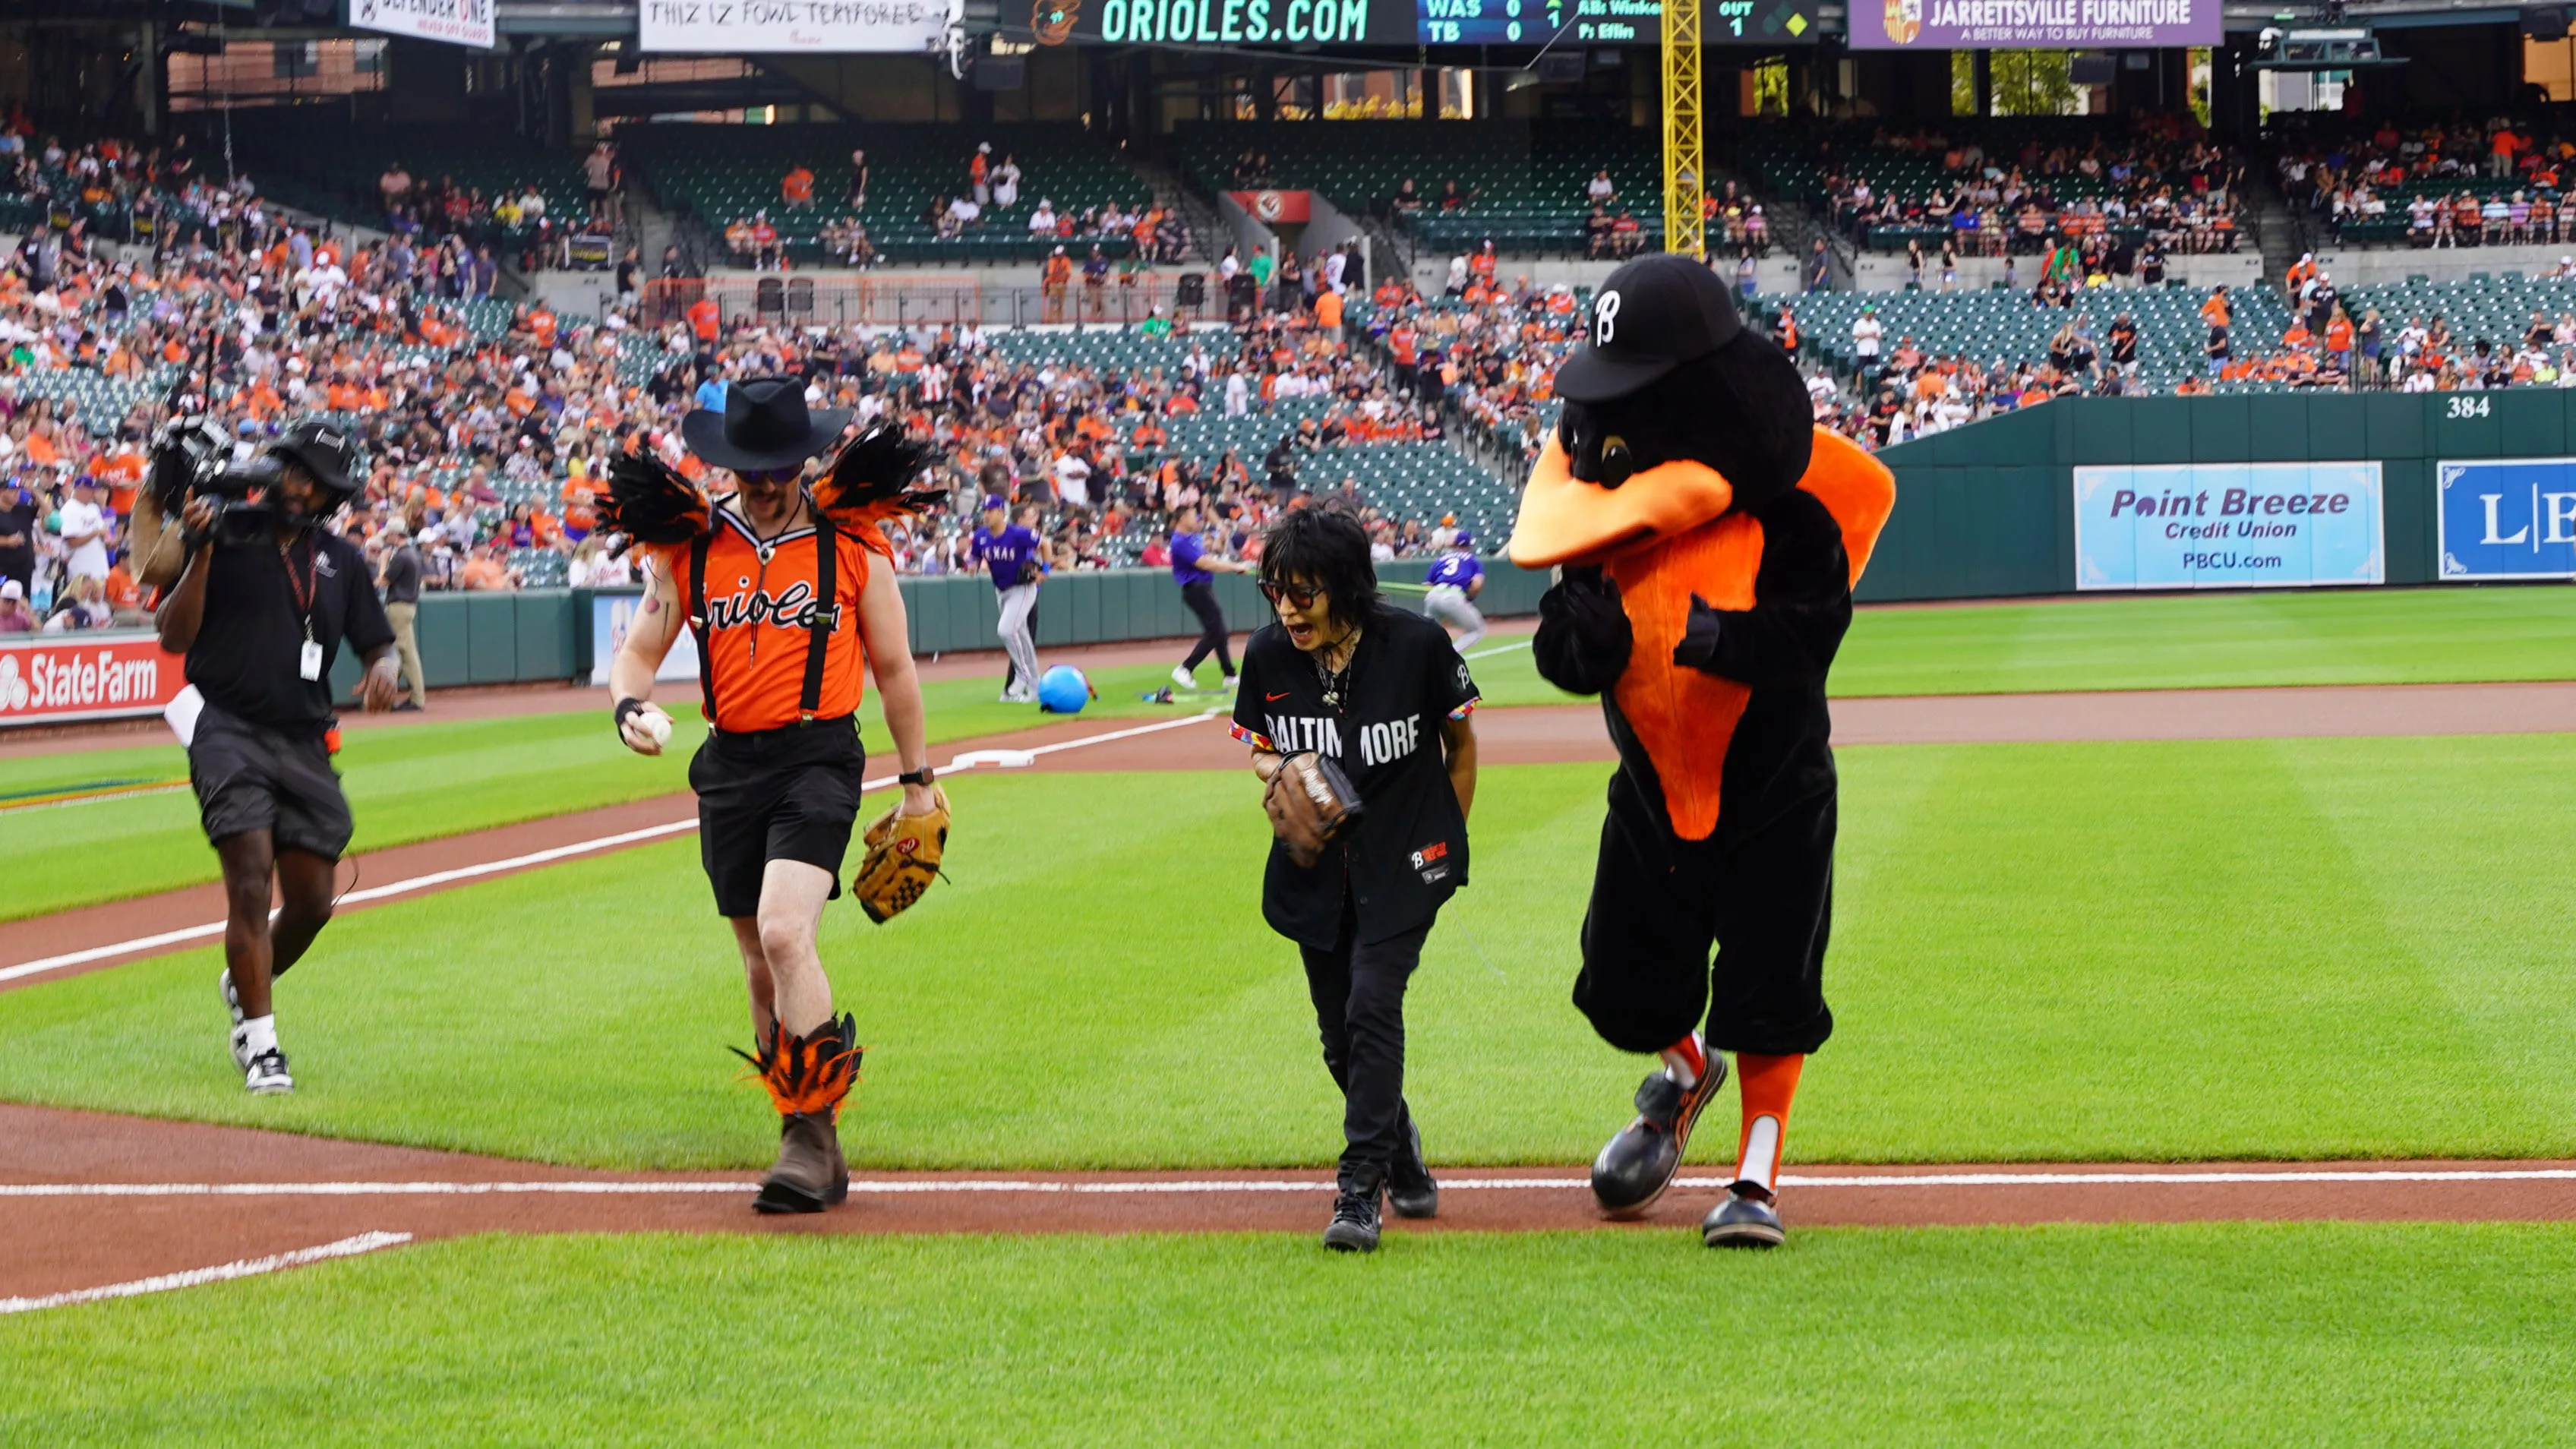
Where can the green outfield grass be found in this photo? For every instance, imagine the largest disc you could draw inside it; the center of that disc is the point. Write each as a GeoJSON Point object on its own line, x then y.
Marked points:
{"type": "Point", "coordinates": [439, 778]}
{"type": "Point", "coordinates": [2235, 1334]}
{"type": "Point", "coordinates": [2209, 641]}
{"type": "Point", "coordinates": [431, 779]}
{"type": "Point", "coordinates": [2291, 949]}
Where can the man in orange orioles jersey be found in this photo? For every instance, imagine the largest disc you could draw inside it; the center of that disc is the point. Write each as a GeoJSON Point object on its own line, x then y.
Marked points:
{"type": "Point", "coordinates": [789, 591]}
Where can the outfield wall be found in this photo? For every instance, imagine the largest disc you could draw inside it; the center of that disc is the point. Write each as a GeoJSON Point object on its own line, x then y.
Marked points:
{"type": "Point", "coordinates": [1989, 510]}
{"type": "Point", "coordinates": [547, 634]}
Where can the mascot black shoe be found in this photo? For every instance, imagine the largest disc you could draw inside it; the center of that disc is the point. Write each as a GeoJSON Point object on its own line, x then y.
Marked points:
{"type": "Point", "coordinates": [1708, 536]}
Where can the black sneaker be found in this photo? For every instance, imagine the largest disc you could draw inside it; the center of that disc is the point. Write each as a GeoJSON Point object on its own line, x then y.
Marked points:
{"type": "Point", "coordinates": [1355, 1222]}
{"type": "Point", "coordinates": [1410, 1189]}
{"type": "Point", "coordinates": [1749, 1218]}
{"type": "Point", "coordinates": [1636, 1166]}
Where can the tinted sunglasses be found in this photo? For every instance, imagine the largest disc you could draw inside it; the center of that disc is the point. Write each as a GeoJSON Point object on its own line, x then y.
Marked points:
{"type": "Point", "coordinates": [771, 475]}
{"type": "Point", "coordinates": [1302, 595]}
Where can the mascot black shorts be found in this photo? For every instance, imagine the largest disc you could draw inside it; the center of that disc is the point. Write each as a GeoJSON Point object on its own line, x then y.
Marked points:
{"type": "Point", "coordinates": [782, 794]}
{"type": "Point", "coordinates": [1764, 897]}
{"type": "Point", "coordinates": [251, 777]}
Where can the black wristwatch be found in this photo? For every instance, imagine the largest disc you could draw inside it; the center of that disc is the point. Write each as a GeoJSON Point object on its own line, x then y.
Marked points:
{"type": "Point", "coordinates": [922, 776]}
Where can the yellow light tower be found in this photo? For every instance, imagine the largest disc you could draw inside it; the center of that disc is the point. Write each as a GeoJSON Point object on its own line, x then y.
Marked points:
{"type": "Point", "coordinates": [1685, 171]}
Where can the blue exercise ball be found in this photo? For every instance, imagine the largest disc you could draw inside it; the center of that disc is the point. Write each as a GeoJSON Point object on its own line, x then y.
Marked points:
{"type": "Point", "coordinates": [1063, 690]}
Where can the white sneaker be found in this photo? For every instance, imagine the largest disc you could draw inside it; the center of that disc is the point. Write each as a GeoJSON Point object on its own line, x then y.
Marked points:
{"type": "Point", "coordinates": [265, 1075]}
{"type": "Point", "coordinates": [1183, 679]}
{"type": "Point", "coordinates": [1231, 681]}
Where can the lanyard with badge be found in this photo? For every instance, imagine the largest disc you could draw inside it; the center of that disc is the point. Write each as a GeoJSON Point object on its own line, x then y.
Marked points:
{"type": "Point", "coordinates": [309, 662]}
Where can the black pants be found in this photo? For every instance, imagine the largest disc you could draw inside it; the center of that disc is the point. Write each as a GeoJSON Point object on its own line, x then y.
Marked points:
{"type": "Point", "coordinates": [1201, 597]}
{"type": "Point", "coordinates": [1762, 893]}
{"type": "Point", "coordinates": [1358, 992]}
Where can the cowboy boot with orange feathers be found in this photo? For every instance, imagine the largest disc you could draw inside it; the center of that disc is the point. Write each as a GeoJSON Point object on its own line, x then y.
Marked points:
{"type": "Point", "coordinates": [807, 1077]}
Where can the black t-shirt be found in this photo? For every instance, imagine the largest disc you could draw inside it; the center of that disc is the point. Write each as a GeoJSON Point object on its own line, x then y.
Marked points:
{"type": "Point", "coordinates": [251, 643]}
{"type": "Point", "coordinates": [402, 576]}
{"type": "Point", "coordinates": [1409, 849]}
{"type": "Point", "coordinates": [18, 560]}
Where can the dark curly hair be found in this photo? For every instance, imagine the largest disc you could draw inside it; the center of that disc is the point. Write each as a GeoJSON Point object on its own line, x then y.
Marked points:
{"type": "Point", "coordinates": [1327, 548]}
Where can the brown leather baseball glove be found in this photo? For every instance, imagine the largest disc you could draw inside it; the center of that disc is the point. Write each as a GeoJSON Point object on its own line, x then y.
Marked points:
{"type": "Point", "coordinates": [1310, 802]}
{"type": "Point", "coordinates": [902, 860]}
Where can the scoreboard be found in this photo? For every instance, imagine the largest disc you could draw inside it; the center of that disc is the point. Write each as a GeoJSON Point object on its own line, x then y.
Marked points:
{"type": "Point", "coordinates": [1610, 22]}
{"type": "Point", "coordinates": [1297, 23]}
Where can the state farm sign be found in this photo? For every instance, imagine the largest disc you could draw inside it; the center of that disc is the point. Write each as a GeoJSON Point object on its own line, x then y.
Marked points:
{"type": "Point", "coordinates": [55, 679]}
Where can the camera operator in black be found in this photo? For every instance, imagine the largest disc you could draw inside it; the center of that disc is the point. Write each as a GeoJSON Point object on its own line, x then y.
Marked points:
{"type": "Point", "coordinates": [260, 608]}
{"type": "Point", "coordinates": [1381, 692]}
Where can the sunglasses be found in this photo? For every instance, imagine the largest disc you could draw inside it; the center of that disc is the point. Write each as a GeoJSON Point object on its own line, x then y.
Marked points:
{"type": "Point", "coordinates": [1301, 595]}
{"type": "Point", "coordinates": [772, 475]}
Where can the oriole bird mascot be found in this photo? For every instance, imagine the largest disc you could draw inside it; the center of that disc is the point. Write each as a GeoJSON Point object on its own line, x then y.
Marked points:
{"type": "Point", "coordinates": [1709, 536]}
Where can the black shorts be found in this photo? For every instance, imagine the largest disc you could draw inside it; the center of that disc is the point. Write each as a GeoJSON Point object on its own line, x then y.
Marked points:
{"type": "Point", "coordinates": [783, 794]}
{"type": "Point", "coordinates": [251, 777]}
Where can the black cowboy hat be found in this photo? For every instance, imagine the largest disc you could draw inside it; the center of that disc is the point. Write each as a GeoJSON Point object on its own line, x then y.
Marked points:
{"type": "Point", "coordinates": [765, 425]}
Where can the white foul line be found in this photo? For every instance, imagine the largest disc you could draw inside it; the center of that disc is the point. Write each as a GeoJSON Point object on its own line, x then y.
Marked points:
{"type": "Point", "coordinates": [1497, 649]}
{"type": "Point", "coordinates": [194, 1277]}
{"type": "Point", "coordinates": [902, 1187]}
{"type": "Point", "coordinates": [437, 878]}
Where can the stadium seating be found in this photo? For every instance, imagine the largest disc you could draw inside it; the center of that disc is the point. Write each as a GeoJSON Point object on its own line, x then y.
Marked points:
{"type": "Point", "coordinates": [333, 170]}
{"type": "Point", "coordinates": [726, 172]}
{"type": "Point", "coordinates": [1404, 481]}
{"type": "Point", "coordinates": [1527, 180]}
{"type": "Point", "coordinates": [1999, 326]}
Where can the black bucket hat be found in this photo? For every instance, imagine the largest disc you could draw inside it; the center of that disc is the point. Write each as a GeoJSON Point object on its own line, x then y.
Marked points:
{"type": "Point", "coordinates": [327, 450]}
{"type": "Point", "coordinates": [765, 425]}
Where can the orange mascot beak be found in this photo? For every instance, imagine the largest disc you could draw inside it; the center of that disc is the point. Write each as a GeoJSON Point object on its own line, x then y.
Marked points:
{"type": "Point", "coordinates": [1564, 520]}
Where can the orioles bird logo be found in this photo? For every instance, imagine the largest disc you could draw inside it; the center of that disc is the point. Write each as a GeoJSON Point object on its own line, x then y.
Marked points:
{"type": "Point", "coordinates": [1052, 20]}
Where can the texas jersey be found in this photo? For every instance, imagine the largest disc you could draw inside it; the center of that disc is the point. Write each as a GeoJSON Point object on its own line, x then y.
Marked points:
{"type": "Point", "coordinates": [1457, 570]}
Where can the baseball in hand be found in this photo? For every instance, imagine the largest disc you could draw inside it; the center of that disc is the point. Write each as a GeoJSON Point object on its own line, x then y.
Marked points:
{"type": "Point", "coordinates": [654, 725]}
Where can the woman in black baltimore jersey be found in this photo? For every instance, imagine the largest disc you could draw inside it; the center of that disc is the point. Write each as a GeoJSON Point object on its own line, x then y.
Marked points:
{"type": "Point", "coordinates": [1380, 692]}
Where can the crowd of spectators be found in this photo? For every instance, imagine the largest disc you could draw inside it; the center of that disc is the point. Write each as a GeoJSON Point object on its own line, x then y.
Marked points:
{"type": "Point", "coordinates": [2161, 182]}
{"type": "Point", "coordinates": [517, 218]}
{"type": "Point", "coordinates": [994, 198]}
{"type": "Point", "coordinates": [488, 428]}
{"type": "Point", "coordinates": [2457, 183]}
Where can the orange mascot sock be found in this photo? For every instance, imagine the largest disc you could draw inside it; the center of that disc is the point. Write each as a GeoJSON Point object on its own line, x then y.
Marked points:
{"type": "Point", "coordinates": [1767, 1085]}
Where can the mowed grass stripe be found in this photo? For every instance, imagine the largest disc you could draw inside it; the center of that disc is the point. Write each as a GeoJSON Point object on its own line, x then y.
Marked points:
{"type": "Point", "coordinates": [2042, 952]}
{"type": "Point", "coordinates": [442, 778]}
{"type": "Point", "coordinates": [2244, 1333]}
{"type": "Point", "coordinates": [430, 780]}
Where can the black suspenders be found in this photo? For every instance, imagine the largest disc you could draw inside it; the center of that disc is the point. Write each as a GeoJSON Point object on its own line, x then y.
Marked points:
{"type": "Point", "coordinates": [827, 611]}
{"type": "Point", "coordinates": [698, 622]}
{"type": "Point", "coordinates": [818, 637]}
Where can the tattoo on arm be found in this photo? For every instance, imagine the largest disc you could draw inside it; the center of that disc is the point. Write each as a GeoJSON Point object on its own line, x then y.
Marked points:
{"type": "Point", "coordinates": [652, 605]}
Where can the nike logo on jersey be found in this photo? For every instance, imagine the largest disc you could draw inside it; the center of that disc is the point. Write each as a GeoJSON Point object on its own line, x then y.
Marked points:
{"type": "Point", "coordinates": [1274, 698]}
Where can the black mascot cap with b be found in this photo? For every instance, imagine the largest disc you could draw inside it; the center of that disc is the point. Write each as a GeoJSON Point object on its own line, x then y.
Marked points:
{"type": "Point", "coordinates": [1669, 371]}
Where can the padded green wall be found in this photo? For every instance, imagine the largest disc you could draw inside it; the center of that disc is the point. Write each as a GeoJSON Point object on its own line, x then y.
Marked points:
{"type": "Point", "coordinates": [1988, 511]}
{"type": "Point", "coordinates": [544, 634]}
